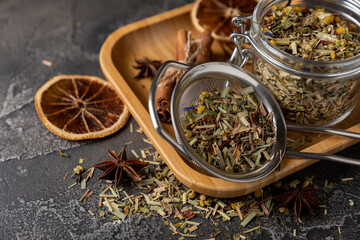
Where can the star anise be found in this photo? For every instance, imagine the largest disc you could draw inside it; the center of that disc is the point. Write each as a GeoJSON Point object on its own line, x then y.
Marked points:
{"type": "Point", "coordinates": [115, 169]}
{"type": "Point", "coordinates": [146, 67]}
{"type": "Point", "coordinates": [298, 199]}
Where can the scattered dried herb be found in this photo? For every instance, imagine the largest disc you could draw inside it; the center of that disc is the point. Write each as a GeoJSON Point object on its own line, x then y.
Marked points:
{"type": "Point", "coordinates": [347, 179]}
{"type": "Point", "coordinates": [187, 214]}
{"type": "Point", "coordinates": [147, 68]}
{"type": "Point", "coordinates": [120, 166]}
{"type": "Point", "coordinates": [252, 229]}
{"type": "Point", "coordinates": [90, 212]}
{"type": "Point", "coordinates": [163, 195]}
{"type": "Point", "coordinates": [299, 198]}
{"type": "Point", "coordinates": [65, 176]}
{"type": "Point", "coordinates": [63, 154]}
{"type": "Point", "coordinates": [317, 35]}
{"type": "Point", "coordinates": [248, 218]}
{"type": "Point", "coordinates": [78, 170]}
{"type": "Point", "coordinates": [84, 195]}
{"type": "Point", "coordinates": [47, 63]}
{"type": "Point", "coordinates": [230, 129]}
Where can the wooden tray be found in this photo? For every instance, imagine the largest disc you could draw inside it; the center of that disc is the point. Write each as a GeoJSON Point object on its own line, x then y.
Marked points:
{"type": "Point", "coordinates": [155, 38]}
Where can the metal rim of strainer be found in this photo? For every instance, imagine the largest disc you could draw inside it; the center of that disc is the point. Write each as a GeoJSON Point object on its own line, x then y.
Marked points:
{"type": "Point", "coordinates": [231, 74]}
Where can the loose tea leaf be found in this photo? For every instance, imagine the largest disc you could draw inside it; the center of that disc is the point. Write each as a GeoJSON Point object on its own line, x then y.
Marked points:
{"type": "Point", "coordinates": [248, 219]}
{"type": "Point", "coordinates": [230, 129]}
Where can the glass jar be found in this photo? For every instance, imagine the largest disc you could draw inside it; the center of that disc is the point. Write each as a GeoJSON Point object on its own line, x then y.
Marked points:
{"type": "Point", "coordinates": [317, 93]}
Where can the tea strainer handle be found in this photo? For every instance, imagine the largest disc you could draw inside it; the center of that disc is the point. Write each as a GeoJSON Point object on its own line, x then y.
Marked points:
{"type": "Point", "coordinates": [338, 132]}
{"type": "Point", "coordinates": [320, 156]}
{"type": "Point", "coordinates": [152, 103]}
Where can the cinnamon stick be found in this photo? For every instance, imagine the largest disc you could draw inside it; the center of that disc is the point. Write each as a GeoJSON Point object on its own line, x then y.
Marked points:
{"type": "Point", "coordinates": [205, 52]}
{"type": "Point", "coordinates": [202, 52]}
{"type": "Point", "coordinates": [180, 45]}
{"type": "Point", "coordinates": [165, 91]}
{"type": "Point", "coordinates": [163, 102]}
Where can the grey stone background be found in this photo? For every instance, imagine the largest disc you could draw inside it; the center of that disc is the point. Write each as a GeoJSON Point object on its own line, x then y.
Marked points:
{"type": "Point", "coordinates": [34, 200]}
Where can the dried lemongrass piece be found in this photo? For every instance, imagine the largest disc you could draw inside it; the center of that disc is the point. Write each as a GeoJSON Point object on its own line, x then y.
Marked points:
{"type": "Point", "coordinates": [248, 219]}
{"type": "Point", "coordinates": [72, 185]}
{"type": "Point", "coordinates": [252, 229]}
{"type": "Point", "coordinates": [65, 176]}
{"type": "Point", "coordinates": [83, 196]}
{"type": "Point", "coordinates": [83, 184]}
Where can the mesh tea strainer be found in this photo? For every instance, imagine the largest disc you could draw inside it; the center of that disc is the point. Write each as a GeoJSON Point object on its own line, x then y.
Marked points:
{"type": "Point", "coordinates": [217, 75]}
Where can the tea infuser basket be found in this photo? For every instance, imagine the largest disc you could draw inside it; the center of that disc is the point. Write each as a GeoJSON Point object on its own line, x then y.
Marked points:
{"type": "Point", "coordinates": [207, 77]}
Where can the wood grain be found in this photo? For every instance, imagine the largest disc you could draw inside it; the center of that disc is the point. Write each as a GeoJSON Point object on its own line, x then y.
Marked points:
{"type": "Point", "coordinates": [155, 38]}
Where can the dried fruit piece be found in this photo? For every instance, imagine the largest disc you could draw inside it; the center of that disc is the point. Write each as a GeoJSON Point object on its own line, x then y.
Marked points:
{"type": "Point", "coordinates": [187, 214]}
{"type": "Point", "coordinates": [80, 107]}
{"type": "Point", "coordinates": [216, 15]}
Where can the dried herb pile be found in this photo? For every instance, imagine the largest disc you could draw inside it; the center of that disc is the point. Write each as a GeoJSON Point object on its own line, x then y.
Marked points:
{"type": "Point", "coordinates": [180, 207]}
{"type": "Point", "coordinates": [317, 35]}
{"type": "Point", "coordinates": [313, 34]}
{"type": "Point", "coordinates": [183, 210]}
{"type": "Point", "coordinates": [230, 129]}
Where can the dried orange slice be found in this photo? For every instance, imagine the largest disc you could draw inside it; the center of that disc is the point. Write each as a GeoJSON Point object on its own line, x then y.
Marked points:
{"type": "Point", "coordinates": [216, 15]}
{"type": "Point", "coordinates": [80, 107]}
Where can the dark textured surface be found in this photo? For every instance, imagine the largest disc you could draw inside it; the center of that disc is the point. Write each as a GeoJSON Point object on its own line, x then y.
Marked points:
{"type": "Point", "coordinates": [35, 202]}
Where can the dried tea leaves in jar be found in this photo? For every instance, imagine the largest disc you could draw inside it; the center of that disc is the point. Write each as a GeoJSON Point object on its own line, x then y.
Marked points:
{"type": "Point", "coordinates": [305, 100]}
{"type": "Point", "coordinates": [318, 36]}
{"type": "Point", "coordinates": [313, 34]}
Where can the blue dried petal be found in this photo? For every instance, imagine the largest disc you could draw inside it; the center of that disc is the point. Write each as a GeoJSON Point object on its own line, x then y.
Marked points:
{"type": "Point", "coordinates": [273, 85]}
{"type": "Point", "coordinates": [306, 69]}
{"type": "Point", "coordinates": [191, 107]}
{"type": "Point", "coordinates": [269, 34]}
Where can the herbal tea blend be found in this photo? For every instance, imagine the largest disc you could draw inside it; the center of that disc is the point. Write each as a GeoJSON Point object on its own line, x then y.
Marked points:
{"type": "Point", "coordinates": [230, 129]}
{"type": "Point", "coordinates": [305, 100]}
{"type": "Point", "coordinates": [317, 35]}
{"type": "Point", "coordinates": [313, 34]}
